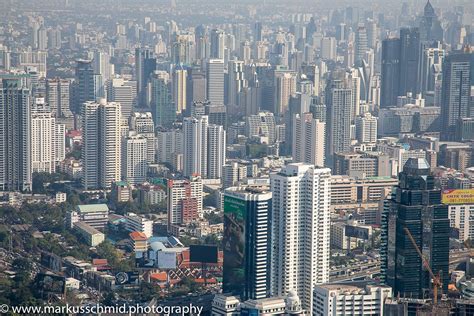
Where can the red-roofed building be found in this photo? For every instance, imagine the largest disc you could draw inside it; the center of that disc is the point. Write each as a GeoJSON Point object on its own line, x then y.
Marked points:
{"type": "Point", "coordinates": [138, 242]}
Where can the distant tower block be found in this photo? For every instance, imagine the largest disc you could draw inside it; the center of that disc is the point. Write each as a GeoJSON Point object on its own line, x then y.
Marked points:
{"type": "Point", "coordinates": [173, 4]}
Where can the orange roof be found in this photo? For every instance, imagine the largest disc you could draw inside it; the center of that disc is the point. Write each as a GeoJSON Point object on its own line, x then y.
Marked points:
{"type": "Point", "coordinates": [99, 262]}
{"type": "Point", "coordinates": [208, 281]}
{"type": "Point", "coordinates": [160, 276]}
{"type": "Point", "coordinates": [138, 236]}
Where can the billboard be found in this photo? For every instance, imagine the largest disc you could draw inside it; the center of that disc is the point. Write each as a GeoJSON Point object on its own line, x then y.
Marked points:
{"type": "Point", "coordinates": [155, 260]}
{"type": "Point", "coordinates": [122, 278]}
{"type": "Point", "coordinates": [203, 253]}
{"type": "Point", "coordinates": [459, 196]}
{"type": "Point", "coordinates": [357, 232]}
{"type": "Point", "coordinates": [48, 283]}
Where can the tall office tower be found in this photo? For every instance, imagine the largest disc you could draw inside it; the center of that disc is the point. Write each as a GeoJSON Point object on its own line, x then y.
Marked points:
{"type": "Point", "coordinates": [247, 242]}
{"type": "Point", "coordinates": [416, 205]}
{"type": "Point", "coordinates": [371, 27]}
{"type": "Point", "coordinates": [196, 86]}
{"type": "Point", "coordinates": [339, 109]}
{"type": "Point", "coordinates": [409, 60]}
{"type": "Point", "coordinates": [54, 38]}
{"type": "Point", "coordinates": [431, 66]}
{"type": "Point", "coordinates": [134, 158]}
{"type": "Point", "coordinates": [48, 140]}
{"type": "Point", "coordinates": [183, 50]}
{"type": "Point", "coordinates": [215, 81]}
{"type": "Point", "coordinates": [217, 44]}
{"type": "Point", "coordinates": [84, 84]}
{"type": "Point", "coordinates": [216, 147]}
{"type": "Point", "coordinates": [57, 97]}
{"type": "Point", "coordinates": [430, 26]}
{"type": "Point", "coordinates": [195, 145]}
{"type": "Point", "coordinates": [361, 45]}
{"type": "Point", "coordinates": [308, 143]}
{"type": "Point", "coordinates": [124, 92]}
{"type": "Point", "coordinates": [101, 153]}
{"type": "Point", "coordinates": [300, 230]}
{"type": "Point", "coordinates": [145, 65]}
{"type": "Point", "coordinates": [15, 134]}
{"type": "Point", "coordinates": [366, 128]}
{"type": "Point", "coordinates": [390, 72]}
{"type": "Point", "coordinates": [162, 105]}
{"type": "Point", "coordinates": [257, 32]}
{"type": "Point", "coordinates": [456, 91]}
{"type": "Point", "coordinates": [42, 38]}
{"type": "Point", "coordinates": [102, 66]}
{"type": "Point", "coordinates": [261, 124]}
{"type": "Point", "coordinates": [285, 87]}
{"type": "Point", "coordinates": [180, 76]}
{"type": "Point", "coordinates": [235, 84]}
{"type": "Point", "coordinates": [34, 34]}
{"type": "Point", "coordinates": [328, 48]}
{"type": "Point", "coordinates": [143, 124]}
{"type": "Point", "coordinates": [184, 200]}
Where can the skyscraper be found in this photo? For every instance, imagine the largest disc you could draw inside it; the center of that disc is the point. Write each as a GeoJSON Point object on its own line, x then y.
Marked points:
{"type": "Point", "coordinates": [308, 143]}
{"type": "Point", "coordinates": [216, 150]}
{"type": "Point", "coordinates": [134, 158]}
{"type": "Point", "coordinates": [195, 146]}
{"type": "Point", "coordinates": [47, 138]}
{"type": "Point", "coordinates": [300, 230]}
{"type": "Point", "coordinates": [361, 45]}
{"type": "Point", "coordinates": [15, 133]}
{"type": "Point", "coordinates": [390, 72]}
{"type": "Point", "coordinates": [366, 128]}
{"type": "Point", "coordinates": [455, 93]}
{"type": "Point", "coordinates": [57, 97]}
{"type": "Point", "coordinates": [124, 92]}
{"type": "Point", "coordinates": [215, 81]}
{"type": "Point", "coordinates": [184, 200]}
{"type": "Point", "coordinates": [101, 152]}
{"type": "Point", "coordinates": [409, 60]}
{"type": "Point", "coordinates": [196, 87]}
{"type": "Point", "coordinates": [339, 111]}
{"type": "Point", "coordinates": [162, 105]}
{"type": "Point", "coordinates": [145, 65]}
{"type": "Point", "coordinates": [416, 205]}
{"type": "Point", "coordinates": [217, 44]}
{"type": "Point", "coordinates": [235, 84]}
{"type": "Point", "coordinates": [84, 84]}
{"type": "Point", "coordinates": [179, 88]}
{"type": "Point", "coordinates": [247, 242]}
{"type": "Point", "coordinates": [430, 26]}
{"type": "Point", "coordinates": [142, 123]}
{"type": "Point", "coordinates": [285, 87]}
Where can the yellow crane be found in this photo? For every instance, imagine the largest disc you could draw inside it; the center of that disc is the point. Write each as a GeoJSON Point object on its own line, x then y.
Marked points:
{"type": "Point", "coordinates": [436, 279]}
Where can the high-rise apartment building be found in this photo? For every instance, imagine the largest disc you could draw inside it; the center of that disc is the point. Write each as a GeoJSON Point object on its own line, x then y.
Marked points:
{"type": "Point", "coordinates": [142, 123]}
{"type": "Point", "coordinates": [57, 97]}
{"type": "Point", "coordinates": [162, 105]}
{"type": "Point", "coordinates": [216, 150]}
{"type": "Point", "coordinates": [184, 200]}
{"type": "Point", "coordinates": [247, 242]}
{"type": "Point", "coordinates": [300, 230]}
{"type": "Point", "coordinates": [308, 143]}
{"type": "Point", "coordinates": [339, 109]}
{"type": "Point", "coordinates": [261, 124]}
{"type": "Point", "coordinates": [195, 146]}
{"type": "Point", "coordinates": [366, 128]}
{"type": "Point", "coordinates": [15, 134]}
{"type": "Point", "coordinates": [101, 153]}
{"type": "Point", "coordinates": [134, 158]}
{"type": "Point", "coordinates": [48, 146]}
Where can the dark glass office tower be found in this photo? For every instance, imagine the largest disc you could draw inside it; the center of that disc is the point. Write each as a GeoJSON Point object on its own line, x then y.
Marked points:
{"type": "Point", "coordinates": [409, 59]}
{"type": "Point", "coordinates": [390, 72]}
{"type": "Point", "coordinates": [145, 65]}
{"type": "Point", "coordinates": [415, 204]}
{"type": "Point", "coordinates": [247, 244]}
{"type": "Point", "coordinates": [430, 26]}
{"type": "Point", "coordinates": [85, 84]}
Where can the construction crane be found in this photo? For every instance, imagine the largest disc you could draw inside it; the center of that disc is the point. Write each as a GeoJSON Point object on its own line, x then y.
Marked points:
{"type": "Point", "coordinates": [436, 279]}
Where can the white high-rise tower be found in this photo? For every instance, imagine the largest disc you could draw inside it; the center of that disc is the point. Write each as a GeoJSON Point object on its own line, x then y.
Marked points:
{"type": "Point", "coordinates": [300, 230]}
{"type": "Point", "coordinates": [308, 139]}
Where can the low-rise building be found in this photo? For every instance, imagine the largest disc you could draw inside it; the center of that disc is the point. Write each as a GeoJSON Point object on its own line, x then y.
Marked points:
{"type": "Point", "coordinates": [357, 298]}
{"type": "Point", "coordinates": [95, 215]}
{"type": "Point", "coordinates": [91, 236]}
{"type": "Point", "coordinates": [136, 223]}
